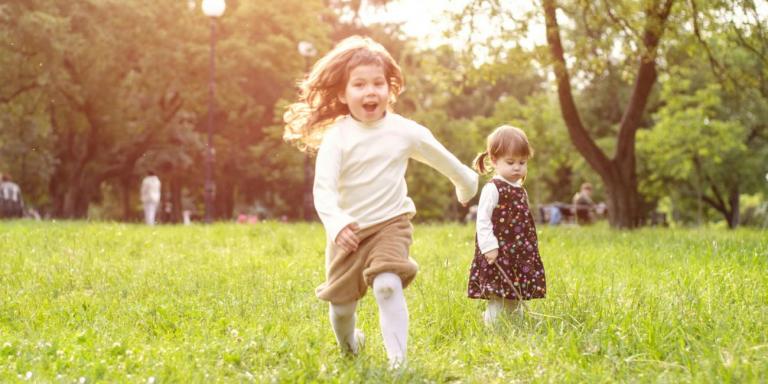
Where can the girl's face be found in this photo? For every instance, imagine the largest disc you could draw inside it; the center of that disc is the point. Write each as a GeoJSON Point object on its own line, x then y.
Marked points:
{"type": "Point", "coordinates": [366, 93]}
{"type": "Point", "coordinates": [512, 168]}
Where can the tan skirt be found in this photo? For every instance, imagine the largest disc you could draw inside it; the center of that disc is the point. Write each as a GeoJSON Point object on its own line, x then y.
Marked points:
{"type": "Point", "coordinates": [382, 248]}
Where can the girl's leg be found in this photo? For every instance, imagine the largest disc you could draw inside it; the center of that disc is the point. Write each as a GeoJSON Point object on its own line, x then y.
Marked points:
{"type": "Point", "coordinates": [393, 315]}
{"type": "Point", "coordinates": [491, 314]}
{"type": "Point", "coordinates": [343, 322]}
{"type": "Point", "coordinates": [497, 305]}
{"type": "Point", "coordinates": [513, 307]}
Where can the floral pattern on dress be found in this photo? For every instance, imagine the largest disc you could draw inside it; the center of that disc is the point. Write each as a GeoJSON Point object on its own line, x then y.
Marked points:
{"type": "Point", "coordinates": [519, 259]}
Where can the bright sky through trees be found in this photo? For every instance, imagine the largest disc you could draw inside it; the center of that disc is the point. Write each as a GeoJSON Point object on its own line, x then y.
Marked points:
{"type": "Point", "coordinates": [424, 19]}
{"type": "Point", "coordinates": [428, 21]}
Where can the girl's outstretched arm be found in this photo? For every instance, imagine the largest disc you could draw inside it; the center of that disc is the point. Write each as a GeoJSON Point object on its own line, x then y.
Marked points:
{"type": "Point", "coordinates": [429, 151]}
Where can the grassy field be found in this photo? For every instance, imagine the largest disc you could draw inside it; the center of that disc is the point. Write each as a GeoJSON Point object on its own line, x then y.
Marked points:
{"type": "Point", "coordinates": [234, 303]}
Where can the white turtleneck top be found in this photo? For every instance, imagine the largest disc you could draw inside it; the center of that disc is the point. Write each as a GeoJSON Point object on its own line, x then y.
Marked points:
{"type": "Point", "coordinates": [360, 171]}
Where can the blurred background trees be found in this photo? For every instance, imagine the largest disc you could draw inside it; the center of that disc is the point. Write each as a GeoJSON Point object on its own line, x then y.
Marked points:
{"type": "Point", "coordinates": [660, 104]}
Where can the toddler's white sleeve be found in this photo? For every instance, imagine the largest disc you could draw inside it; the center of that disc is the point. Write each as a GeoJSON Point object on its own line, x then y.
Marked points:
{"type": "Point", "coordinates": [489, 197]}
{"type": "Point", "coordinates": [326, 188]}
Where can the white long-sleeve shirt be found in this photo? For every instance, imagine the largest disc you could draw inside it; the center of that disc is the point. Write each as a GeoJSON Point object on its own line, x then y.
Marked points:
{"type": "Point", "coordinates": [150, 189]}
{"type": "Point", "coordinates": [10, 191]}
{"type": "Point", "coordinates": [360, 171]}
{"type": "Point", "coordinates": [489, 197]}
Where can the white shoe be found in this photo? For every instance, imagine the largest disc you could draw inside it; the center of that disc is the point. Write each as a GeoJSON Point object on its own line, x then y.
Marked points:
{"type": "Point", "coordinates": [357, 343]}
{"type": "Point", "coordinates": [397, 365]}
{"type": "Point", "coordinates": [488, 319]}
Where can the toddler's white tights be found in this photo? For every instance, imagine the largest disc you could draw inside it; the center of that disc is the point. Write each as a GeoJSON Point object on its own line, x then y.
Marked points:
{"type": "Point", "coordinates": [497, 305]}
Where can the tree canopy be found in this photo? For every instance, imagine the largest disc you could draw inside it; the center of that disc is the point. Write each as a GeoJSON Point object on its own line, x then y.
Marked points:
{"type": "Point", "coordinates": [661, 104]}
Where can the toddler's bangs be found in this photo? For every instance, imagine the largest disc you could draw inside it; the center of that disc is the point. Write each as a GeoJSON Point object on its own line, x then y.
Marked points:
{"type": "Point", "coordinates": [509, 143]}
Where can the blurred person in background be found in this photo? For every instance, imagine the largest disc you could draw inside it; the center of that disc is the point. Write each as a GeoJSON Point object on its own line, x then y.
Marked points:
{"type": "Point", "coordinates": [11, 202]}
{"type": "Point", "coordinates": [150, 196]}
{"type": "Point", "coordinates": [583, 206]}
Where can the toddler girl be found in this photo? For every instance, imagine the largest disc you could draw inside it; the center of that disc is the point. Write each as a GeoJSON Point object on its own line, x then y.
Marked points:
{"type": "Point", "coordinates": [359, 188]}
{"type": "Point", "coordinates": [507, 267]}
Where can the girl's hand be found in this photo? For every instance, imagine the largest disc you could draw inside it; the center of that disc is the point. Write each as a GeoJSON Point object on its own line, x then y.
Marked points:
{"type": "Point", "coordinates": [491, 256]}
{"type": "Point", "coordinates": [347, 238]}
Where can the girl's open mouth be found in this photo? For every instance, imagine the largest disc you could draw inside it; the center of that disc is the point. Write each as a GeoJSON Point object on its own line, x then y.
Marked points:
{"type": "Point", "coordinates": [370, 107]}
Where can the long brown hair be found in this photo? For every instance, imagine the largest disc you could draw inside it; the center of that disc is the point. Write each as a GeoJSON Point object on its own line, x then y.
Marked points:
{"type": "Point", "coordinates": [504, 140]}
{"type": "Point", "coordinates": [318, 105]}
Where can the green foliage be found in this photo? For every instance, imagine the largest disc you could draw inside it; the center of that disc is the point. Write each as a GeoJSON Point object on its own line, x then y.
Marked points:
{"type": "Point", "coordinates": [224, 303]}
{"type": "Point", "coordinates": [479, 100]}
{"type": "Point", "coordinates": [433, 194]}
{"type": "Point", "coordinates": [707, 138]}
{"type": "Point", "coordinates": [25, 150]}
{"type": "Point", "coordinates": [689, 135]}
{"type": "Point", "coordinates": [118, 101]}
{"type": "Point", "coordinates": [95, 93]}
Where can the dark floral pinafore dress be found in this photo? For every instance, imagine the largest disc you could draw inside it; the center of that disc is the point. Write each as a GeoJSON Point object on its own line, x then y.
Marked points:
{"type": "Point", "coordinates": [519, 257]}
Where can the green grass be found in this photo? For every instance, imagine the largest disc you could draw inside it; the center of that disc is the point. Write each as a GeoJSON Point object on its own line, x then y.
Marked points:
{"type": "Point", "coordinates": [235, 303]}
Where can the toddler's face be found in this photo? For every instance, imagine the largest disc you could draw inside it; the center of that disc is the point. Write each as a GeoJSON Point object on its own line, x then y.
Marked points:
{"type": "Point", "coordinates": [366, 93]}
{"type": "Point", "coordinates": [512, 168]}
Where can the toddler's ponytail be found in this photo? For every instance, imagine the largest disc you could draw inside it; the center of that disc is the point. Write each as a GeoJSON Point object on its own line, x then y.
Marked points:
{"type": "Point", "coordinates": [479, 162]}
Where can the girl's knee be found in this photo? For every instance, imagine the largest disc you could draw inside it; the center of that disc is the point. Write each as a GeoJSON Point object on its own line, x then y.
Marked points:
{"type": "Point", "coordinates": [343, 310]}
{"type": "Point", "coordinates": [386, 284]}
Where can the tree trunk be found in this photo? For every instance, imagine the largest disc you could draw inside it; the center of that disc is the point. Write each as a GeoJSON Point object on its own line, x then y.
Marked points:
{"type": "Point", "coordinates": [56, 190]}
{"type": "Point", "coordinates": [225, 199]}
{"type": "Point", "coordinates": [82, 203]}
{"type": "Point", "coordinates": [76, 200]}
{"type": "Point", "coordinates": [175, 191]}
{"type": "Point", "coordinates": [126, 192]}
{"type": "Point", "coordinates": [68, 210]}
{"type": "Point", "coordinates": [733, 220]}
{"type": "Point", "coordinates": [619, 173]}
{"type": "Point", "coordinates": [623, 202]}
{"type": "Point", "coordinates": [730, 208]}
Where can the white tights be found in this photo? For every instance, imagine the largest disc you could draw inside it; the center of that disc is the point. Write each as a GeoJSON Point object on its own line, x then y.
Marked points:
{"type": "Point", "coordinates": [497, 305]}
{"type": "Point", "coordinates": [393, 317]}
{"type": "Point", "coordinates": [343, 322]}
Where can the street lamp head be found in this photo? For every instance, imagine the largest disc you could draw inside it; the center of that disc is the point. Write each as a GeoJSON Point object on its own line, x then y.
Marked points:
{"type": "Point", "coordinates": [214, 8]}
{"type": "Point", "coordinates": [307, 49]}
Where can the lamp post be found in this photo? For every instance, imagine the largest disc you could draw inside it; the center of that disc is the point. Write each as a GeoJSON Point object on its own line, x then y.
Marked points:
{"type": "Point", "coordinates": [213, 9]}
{"type": "Point", "coordinates": [308, 51]}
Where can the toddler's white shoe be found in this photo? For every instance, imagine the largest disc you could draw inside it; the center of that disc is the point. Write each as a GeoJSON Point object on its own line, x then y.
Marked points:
{"type": "Point", "coordinates": [517, 313]}
{"type": "Point", "coordinates": [489, 319]}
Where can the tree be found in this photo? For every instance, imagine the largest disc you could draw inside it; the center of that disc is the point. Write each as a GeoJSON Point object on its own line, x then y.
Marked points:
{"type": "Point", "coordinates": [709, 143]}
{"type": "Point", "coordinates": [26, 149]}
{"type": "Point", "coordinates": [607, 44]}
{"type": "Point", "coordinates": [618, 173]}
{"type": "Point", "coordinates": [117, 101]}
{"type": "Point", "coordinates": [601, 47]}
{"type": "Point", "coordinates": [90, 74]}
{"type": "Point", "coordinates": [693, 153]}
